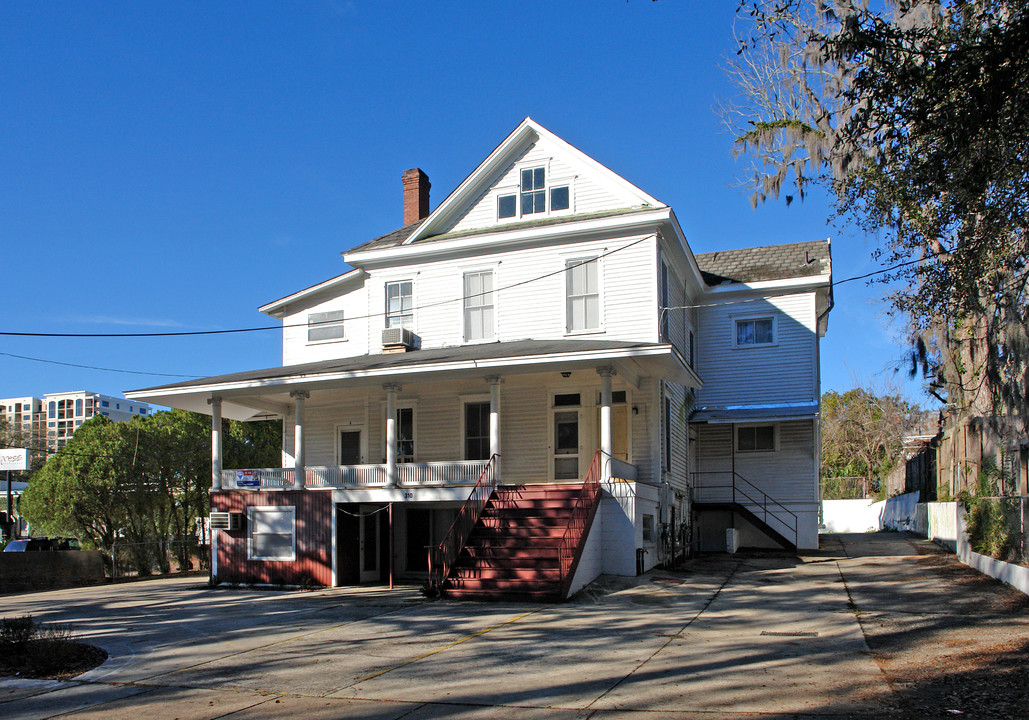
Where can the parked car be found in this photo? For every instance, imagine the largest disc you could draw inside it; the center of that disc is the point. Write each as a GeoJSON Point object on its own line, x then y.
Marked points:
{"type": "Point", "coordinates": [42, 544]}
{"type": "Point", "coordinates": [29, 545]}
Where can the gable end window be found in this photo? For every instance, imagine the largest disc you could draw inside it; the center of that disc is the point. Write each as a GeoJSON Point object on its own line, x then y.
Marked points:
{"type": "Point", "coordinates": [755, 438]}
{"type": "Point", "coordinates": [583, 295]}
{"type": "Point", "coordinates": [534, 195]}
{"type": "Point", "coordinates": [754, 331]}
{"type": "Point", "coordinates": [400, 304]}
{"type": "Point", "coordinates": [325, 326]}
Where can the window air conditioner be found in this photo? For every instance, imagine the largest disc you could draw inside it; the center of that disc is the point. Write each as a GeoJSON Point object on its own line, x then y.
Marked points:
{"type": "Point", "coordinates": [397, 336]}
{"type": "Point", "coordinates": [226, 521]}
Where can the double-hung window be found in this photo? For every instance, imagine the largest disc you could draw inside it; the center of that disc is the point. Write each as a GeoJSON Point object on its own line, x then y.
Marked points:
{"type": "Point", "coordinates": [478, 305]}
{"type": "Point", "coordinates": [272, 533]}
{"type": "Point", "coordinates": [583, 295]}
{"type": "Point", "coordinates": [754, 331]}
{"type": "Point", "coordinates": [476, 431]}
{"type": "Point", "coordinates": [534, 191]}
{"type": "Point", "coordinates": [325, 326]}
{"type": "Point", "coordinates": [400, 304]}
{"type": "Point", "coordinates": [405, 434]}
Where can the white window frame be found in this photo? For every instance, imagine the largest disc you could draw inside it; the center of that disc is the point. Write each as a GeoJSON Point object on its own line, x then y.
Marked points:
{"type": "Point", "coordinates": [385, 300]}
{"type": "Point", "coordinates": [402, 404]}
{"type": "Point", "coordinates": [775, 438]}
{"type": "Point", "coordinates": [464, 401]}
{"type": "Point", "coordinates": [292, 510]}
{"type": "Point", "coordinates": [327, 324]}
{"type": "Point", "coordinates": [549, 183]}
{"type": "Point", "coordinates": [734, 320]}
{"type": "Point", "coordinates": [491, 271]}
{"type": "Point", "coordinates": [581, 260]}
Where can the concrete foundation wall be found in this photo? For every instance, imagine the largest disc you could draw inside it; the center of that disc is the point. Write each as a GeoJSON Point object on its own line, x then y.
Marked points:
{"type": "Point", "coordinates": [23, 571]}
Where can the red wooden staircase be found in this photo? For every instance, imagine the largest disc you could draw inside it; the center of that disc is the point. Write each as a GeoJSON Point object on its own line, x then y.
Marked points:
{"type": "Point", "coordinates": [526, 542]}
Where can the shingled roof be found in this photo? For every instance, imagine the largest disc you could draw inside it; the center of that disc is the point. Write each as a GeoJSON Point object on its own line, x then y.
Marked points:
{"type": "Point", "coordinates": [772, 262]}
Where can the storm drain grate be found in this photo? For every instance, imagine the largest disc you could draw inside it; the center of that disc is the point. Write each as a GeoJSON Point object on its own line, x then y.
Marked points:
{"type": "Point", "coordinates": [778, 633]}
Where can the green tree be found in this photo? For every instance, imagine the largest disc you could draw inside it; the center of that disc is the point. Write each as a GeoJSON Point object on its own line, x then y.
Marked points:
{"type": "Point", "coordinates": [913, 113]}
{"type": "Point", "coordinates": [863, 433]}
{"type": "Point", "coordinates": [144, 482]}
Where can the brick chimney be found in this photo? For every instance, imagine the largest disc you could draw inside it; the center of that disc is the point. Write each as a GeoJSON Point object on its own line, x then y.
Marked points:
{"type": "Point", "coordinates": [416, 195]}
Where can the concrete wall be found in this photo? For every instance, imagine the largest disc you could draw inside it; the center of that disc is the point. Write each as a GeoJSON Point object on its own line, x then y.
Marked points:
{"type": "Point", "coordinates": [24, 571]}
{"type": "Point", "coordinates": [858, 516]}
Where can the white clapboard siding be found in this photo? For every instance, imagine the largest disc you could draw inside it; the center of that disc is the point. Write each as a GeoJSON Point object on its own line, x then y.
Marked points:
{"type": "Point", "coordinates": [789, 474]}
{"type": "Point", "coordinates": [588, 192]}
{"type": "Point", "coordinates": [354, 303]}
{"type": "Point", "coordinates": [784, 372]}
{"type": "Point", "coordinates": [533, 309]}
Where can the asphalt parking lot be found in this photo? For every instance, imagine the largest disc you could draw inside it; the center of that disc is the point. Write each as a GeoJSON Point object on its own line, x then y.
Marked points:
{"type": "Point", "coordinates": [754, 635]}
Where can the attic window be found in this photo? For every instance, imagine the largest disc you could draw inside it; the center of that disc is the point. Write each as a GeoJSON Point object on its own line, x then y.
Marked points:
{"type": "Point", "coordinates": [507, 206]}
{"type": "Point", "coordinates": [534, 194]}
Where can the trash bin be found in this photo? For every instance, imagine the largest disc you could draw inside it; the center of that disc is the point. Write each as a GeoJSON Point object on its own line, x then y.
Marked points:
{"type": "Point", "coordinates": [732, 540]}
{"type": "Point", "coordinates": [640, 552]}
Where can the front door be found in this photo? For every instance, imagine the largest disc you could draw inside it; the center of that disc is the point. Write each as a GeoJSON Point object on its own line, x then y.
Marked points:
{"type": "Point", "coordinates": [369, 551]}
{"type": "Point", "coordinates": [566, 444]}
{"type": "Point", "coordinates": [350, 447]}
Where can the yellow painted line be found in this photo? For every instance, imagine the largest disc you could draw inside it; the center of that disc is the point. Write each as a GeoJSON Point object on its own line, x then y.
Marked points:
{"type": "Point", "coordinates": [474, 635]}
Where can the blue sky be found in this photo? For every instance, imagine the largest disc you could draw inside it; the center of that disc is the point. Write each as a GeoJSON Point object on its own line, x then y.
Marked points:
{"type": "Point", "coordinates": [173, 166]}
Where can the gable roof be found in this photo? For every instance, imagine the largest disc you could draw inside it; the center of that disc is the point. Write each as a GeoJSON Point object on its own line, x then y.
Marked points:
{"type": "Point", "coordinates": [771, 262]}
{"type": "Point", "coordinates": [528, 132]}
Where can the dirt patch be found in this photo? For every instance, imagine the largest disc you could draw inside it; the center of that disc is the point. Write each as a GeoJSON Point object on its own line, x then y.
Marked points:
{"type": "Point", "coordinates": [952, 643]}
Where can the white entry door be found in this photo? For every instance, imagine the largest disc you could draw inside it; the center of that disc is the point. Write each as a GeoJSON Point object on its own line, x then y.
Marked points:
{"type": "Point", "coordinates": [370, 551]}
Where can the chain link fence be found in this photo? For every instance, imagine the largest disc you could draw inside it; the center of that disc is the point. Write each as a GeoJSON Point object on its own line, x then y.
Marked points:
{"type": "Point", "coordinates": [157, 557]}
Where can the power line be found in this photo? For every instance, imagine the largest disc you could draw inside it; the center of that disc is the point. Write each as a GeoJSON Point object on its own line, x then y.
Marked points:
{"type": "Point", "coordinates": [95, 367]}
{"type": "Point", "coordinates": [188, 333]}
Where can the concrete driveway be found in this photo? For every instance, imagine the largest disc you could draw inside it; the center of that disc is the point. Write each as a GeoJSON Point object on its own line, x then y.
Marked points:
{"type": "Point", "coordinates": [752, 635]}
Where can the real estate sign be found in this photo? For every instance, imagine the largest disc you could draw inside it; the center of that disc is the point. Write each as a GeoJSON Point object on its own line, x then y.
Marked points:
{"type": "Point", "coordinates": [14, 459]}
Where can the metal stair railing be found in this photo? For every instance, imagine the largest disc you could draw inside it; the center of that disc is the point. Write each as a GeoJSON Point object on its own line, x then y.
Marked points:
{"type": "Point", "coordinates": [442, 557]}
{"type": "Point", "coordinates": [579, 520]}
{"type": "Point", "coordinates": [747, 495]}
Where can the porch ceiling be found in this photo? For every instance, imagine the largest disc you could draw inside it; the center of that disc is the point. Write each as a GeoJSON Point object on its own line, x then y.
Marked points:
{"type": "Point", "coordinates": [256, 393]}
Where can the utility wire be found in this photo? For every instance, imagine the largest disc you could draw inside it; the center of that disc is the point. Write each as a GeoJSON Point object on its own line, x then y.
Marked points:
{"type": "Point", "coordinates": [185, 333]}
{"type": "Point", "coordinates": [94, 367]}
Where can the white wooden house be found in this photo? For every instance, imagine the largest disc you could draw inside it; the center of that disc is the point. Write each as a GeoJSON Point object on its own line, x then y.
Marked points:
{"type": "Point", "coordinates": [547, 312]}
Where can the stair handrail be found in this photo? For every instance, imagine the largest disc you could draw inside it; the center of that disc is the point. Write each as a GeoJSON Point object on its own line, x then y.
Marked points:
{"type": "Point", "coordinates": [579, 519]}
{"type": "Point", "coordinates": [762, 503]}
{"type": "Point", "coordinates": [443, 556]}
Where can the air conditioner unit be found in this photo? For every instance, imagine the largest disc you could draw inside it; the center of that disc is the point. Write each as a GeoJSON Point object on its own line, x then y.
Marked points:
{"type": "Point", "coordinates": [226, 521]}
{"type": "Point", "coordinates": [395, 336]}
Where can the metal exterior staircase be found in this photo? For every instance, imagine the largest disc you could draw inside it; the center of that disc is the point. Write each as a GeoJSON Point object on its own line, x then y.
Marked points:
{"type": "Point", "coordinates": [731, 491]}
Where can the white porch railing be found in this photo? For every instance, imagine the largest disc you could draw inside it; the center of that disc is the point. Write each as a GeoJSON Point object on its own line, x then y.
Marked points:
{"type": "Point", "coordinates": [422, 474]}
{"type": "Point", "coordinates": [258, 478]}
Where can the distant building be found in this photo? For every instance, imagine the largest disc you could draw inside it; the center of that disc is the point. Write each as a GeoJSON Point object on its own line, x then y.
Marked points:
{"type": "Point", "coordinates": [24, 416]}
{"type": "Point", "coordinates": [67, 410]}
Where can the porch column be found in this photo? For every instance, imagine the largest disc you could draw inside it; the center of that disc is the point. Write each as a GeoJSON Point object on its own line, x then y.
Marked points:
{"type": "Point", "coordinates": [606, 430]}
{"type": "Point", "coordinates": [299, 396]}
{"type": "Point", "coordinates": [216, 442]}
{"type": "Point", "coordinates": [391, 433]}
{"type": "Point", "coordinates": [495, 381]}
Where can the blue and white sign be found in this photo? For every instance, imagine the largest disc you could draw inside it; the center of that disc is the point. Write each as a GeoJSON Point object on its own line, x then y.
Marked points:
{"type": "Point", "coordinates": [247, 478]}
